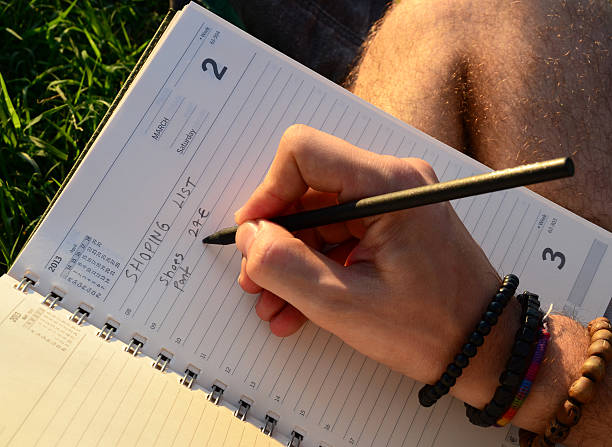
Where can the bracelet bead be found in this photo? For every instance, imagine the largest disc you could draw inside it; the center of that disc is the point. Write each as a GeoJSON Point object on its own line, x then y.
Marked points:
{"type": "Point", "coordinates": [532, 323]}
{"type": "Point", "coordinates": [484, 419]}
{"type": "Point", "coordinates": [469, 350]}
{"type": "Point", "coordinates": [496, 307]}
{"type": "Point", "coordinates": [521, 348]}
{"type": "Point", "coordinates": [425, 398]}
{"type": "Point", "coordinates": [515, 363]}
{"type": "Point", "coordinates": [502, 394]}
{"type": "Point", "coordinates": [601, 348]}
{"type": "Point", "coordinates": [528, 333]}
{"type": "Point", "coordinates": [462, 360]}
{"type": "Point", "coordinates": [582, 390]}
{"type": "Point", "coordinates": [453, 370]}
{"type": "Point", "coordinates": [441, 389]}
{"type": "Point", "coordinates": [490, 318]}
{"type": "Point", "coordinates": [602, 334]}
{"type": "Point", "coordinates": [556, 432]}
{"type": "Point", "coordinates": [510, 281]}
{"type": "Point", "coordinates": [531, 312]}
{"type": "Point", "coordinates": [484, 328]}
{"type": "Point", "coordinates": [598, 324]}
{"type": "Point", "coordinates": [510, 379]}
{"type": "Point", "coordinates": [568, 414]}
{"type": "Point", "coordinates": [476, 339]}
{"type": "Point", "coordinates": [503, 298]}
{"type": "Point", "coordinates": [447, 380]}
{"type": "Point", "coordinates": [594, 368]}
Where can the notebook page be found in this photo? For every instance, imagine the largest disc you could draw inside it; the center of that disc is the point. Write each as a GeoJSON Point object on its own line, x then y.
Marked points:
{"type": "Point", "coordinates": [183, 152]}
{"type": "Point", "coordinates": [66, 386]}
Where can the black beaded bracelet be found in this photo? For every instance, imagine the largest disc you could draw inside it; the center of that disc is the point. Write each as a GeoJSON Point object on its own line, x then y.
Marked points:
{"type": "Point", "coordinates": [430, 394]}
{"type": "Point", "coordinates": [516, 366]}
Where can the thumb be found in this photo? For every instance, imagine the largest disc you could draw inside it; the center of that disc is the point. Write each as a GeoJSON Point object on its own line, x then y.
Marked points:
{"type": "Point", "coordinates": [287, 267]}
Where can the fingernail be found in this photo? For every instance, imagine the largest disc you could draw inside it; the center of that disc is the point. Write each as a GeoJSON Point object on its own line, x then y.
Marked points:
{"type": "Point", "coordinates": [237, 214]}
{"type": "Point", "coordinates": [245, 235]}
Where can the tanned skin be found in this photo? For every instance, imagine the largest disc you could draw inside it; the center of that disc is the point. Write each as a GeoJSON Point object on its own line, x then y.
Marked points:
{"type": "Point", "coordinates": [507, 82]}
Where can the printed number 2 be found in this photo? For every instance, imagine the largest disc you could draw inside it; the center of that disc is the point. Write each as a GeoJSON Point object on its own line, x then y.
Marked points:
{"type": "Point", "coordinates": [553, 256]}
{"type": "Point", "coordinates": [215, 68]}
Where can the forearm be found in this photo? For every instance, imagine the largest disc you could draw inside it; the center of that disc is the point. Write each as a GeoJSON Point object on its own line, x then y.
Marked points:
{"type": "Point", "coordinates": [565, 354]}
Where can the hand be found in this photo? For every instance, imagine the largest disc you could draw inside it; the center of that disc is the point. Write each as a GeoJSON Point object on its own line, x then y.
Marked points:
{"type": "Point", "coordinates": [405, 288]}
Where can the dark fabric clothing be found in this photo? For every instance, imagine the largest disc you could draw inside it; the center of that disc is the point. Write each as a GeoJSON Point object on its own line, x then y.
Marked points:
{"type": "Point", "coordinates": [325, 35]}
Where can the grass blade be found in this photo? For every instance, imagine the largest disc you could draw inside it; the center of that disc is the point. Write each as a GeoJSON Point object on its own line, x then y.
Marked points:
{"type": "Point", "coordinates": [49, 148]}
{"type": "Point", "coordinates": [9, 104]}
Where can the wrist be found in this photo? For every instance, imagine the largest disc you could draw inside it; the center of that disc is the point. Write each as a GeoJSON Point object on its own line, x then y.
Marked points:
{"type": "Point", "coordinates": [564, 356]}
{"type": "Point", "coordinates": [480, 379]}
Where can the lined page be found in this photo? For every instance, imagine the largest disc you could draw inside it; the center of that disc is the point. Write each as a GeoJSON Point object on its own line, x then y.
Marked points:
{"type": "Point", "coordinates": [190, 142]}
{"type": "Point", "coordinates": [63, 385]}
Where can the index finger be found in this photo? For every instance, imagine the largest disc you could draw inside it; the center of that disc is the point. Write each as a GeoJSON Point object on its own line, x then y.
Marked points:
{"type": "Point", "coordinates": [307, 157]}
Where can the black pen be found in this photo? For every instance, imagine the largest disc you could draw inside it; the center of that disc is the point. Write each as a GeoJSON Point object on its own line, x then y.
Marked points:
{"type": "Point", "coordinates": [410, 198]}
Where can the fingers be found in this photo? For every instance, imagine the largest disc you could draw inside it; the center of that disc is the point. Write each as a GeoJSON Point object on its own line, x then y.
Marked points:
{"type": "Point", "coordinates": [245, 282]}
{"type": "Point", "coordinates": [269, 305]}
{"type": "Point", "coordinates": [286, 267]}
{"type": "Point", "coordinates": [328, 234]}
{"type": "Point", "coordinates": [312, 170]}
{"type": "Point", "coordinates": [283, 317]}
{"type": "Point", "coordinates": [287, 322]}
{"type": "Point", "coordinates": [310, 158]}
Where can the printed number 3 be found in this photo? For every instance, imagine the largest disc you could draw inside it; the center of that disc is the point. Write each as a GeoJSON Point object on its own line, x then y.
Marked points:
{"type": "Point", "coordinates": [215, 68]}
{"type": "Point", "coordinates": [553, 256]}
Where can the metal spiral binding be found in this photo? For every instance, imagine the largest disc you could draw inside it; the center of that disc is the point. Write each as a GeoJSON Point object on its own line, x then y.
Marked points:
{"type": "Point", "coordinates": [107, 331]}
{"type": "Point", "coordinates": [162, 362]}
{"type": "Point", "coordinates": [79, 315]}
{"type": "Point", "coordinates": [134, 347]}
{"type": "Point", "coordinates": [25, 284]}
{"type": "Point", "coordinates": [243, 409]}
{"type": "Point", "coordinates": [215, 395]}
{"type": "Point", "coordinates": [269, 424]}
{"type": "Point", "coordinates": [295, 440]}
{"type": "Point", "coordinates": [51, 299]}
{"type": "Point", "coordinates": [188, 379]}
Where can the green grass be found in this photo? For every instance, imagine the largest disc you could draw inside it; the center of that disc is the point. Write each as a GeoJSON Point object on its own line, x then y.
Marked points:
{"type": "Point", "coordinates": [61, 64]}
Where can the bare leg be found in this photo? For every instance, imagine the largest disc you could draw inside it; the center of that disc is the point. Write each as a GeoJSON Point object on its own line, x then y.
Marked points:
{"type": "Point", "coordinates": [507, 82]}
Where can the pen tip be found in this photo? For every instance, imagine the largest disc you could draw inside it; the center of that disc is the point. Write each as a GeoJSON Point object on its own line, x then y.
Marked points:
{"type": "Point", "coordinates": [569, 166]}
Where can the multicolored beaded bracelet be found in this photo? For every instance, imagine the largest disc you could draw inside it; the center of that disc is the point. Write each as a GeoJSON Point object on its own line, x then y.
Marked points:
{"type": "Point", "coordinates": [429, 394]}
{"type": "Point", "coordinates": [580, 392]}
{"type": "Point", "coordinates": [532, 371]}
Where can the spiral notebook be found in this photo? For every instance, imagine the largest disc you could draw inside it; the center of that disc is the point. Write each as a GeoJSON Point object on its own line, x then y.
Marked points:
{"type": "Point", "coordinates": [122, 328]}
